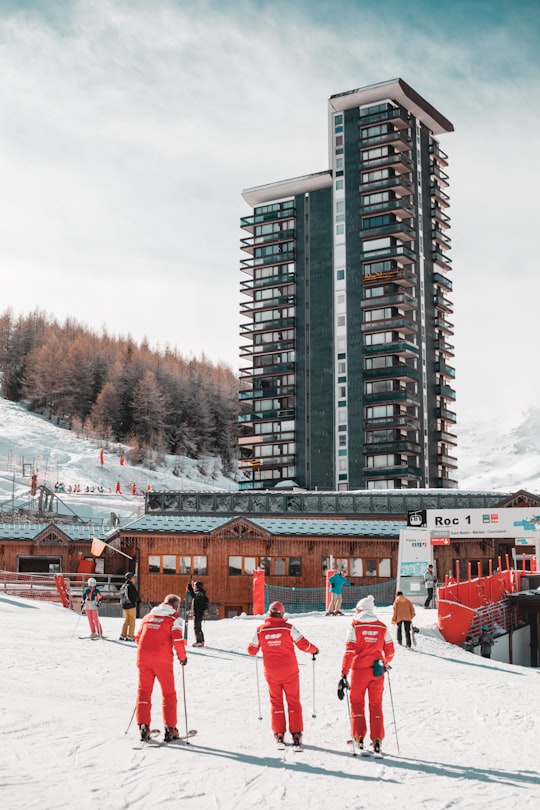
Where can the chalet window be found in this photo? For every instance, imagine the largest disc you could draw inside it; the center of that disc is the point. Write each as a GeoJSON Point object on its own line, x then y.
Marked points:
{"type": "Point", "coordinates": [359, 567]}
{"type": "Point", "coordinates": [272, 566]}
{"type": "Point", "coordinates": [176, 564]}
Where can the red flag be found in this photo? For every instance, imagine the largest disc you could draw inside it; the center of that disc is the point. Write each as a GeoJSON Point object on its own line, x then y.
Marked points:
{"type": "Point", "coordinates": [97, 547]}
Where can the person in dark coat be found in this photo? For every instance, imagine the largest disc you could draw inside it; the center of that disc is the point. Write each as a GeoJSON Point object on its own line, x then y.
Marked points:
{"type": "Point", "coordinates": [486, 642]}
{"type": "Point", "coordinates": [200, 604]}
{"type": "Point", "coordinates": [129, 599]}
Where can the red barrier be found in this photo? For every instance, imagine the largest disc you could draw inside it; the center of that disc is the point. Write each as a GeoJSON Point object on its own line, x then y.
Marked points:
{"type": "Point", "coordinates": [258, 592]}
{"type": "Point", "coordinates": [63, 589]}
{"type": "Point", "coordinates": [329, 573]}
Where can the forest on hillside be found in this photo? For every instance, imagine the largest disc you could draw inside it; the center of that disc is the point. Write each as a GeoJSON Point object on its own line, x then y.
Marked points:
{"type": "Point", "coordinates": [155, 401]}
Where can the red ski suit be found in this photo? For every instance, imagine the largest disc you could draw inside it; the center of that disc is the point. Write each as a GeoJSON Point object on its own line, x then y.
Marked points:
{"type": "Point", "coordinates": [368, 640]}
{"type": "Point", "coordinates": [159, 635]}
{"type": "Point", "coordinates": [277, 638]}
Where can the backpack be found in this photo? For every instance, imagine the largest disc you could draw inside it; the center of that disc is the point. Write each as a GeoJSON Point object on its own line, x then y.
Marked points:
{"type": "Point", "coordinates": [125, 601]}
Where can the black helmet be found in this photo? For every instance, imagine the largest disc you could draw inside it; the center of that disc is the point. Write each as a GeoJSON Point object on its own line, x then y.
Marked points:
{"type": "Point", "coordinates": [199, 585]}
{"type": "Point", "coordinates": [129, 575]}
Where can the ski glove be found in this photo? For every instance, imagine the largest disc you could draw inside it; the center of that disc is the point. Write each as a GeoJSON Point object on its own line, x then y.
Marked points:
{"type": "Point", "coordinates": [342, 685]}
{"type": "Point", "coordinates": [184, 662]}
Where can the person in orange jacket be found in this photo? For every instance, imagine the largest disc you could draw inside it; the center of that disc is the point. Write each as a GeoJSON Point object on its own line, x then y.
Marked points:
{"type": "Point", "coordinates": [403, 615]}
{"type": "Point", "coordinates": [368, 650]}
{"type": "Point", "coordinates": [159, 637]}
{"type": "Point", "coordinates": [277, 640]}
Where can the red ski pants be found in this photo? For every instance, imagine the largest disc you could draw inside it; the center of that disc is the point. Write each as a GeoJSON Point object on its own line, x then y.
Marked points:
{"type": "Point", "coordinates": [94, 623]}
{"type": "Point", "coordinates": [290, 689]}
{"type": "Point", "coordinates": [165, 676]}
{"type": "Point", "coordinates": [362, 681]}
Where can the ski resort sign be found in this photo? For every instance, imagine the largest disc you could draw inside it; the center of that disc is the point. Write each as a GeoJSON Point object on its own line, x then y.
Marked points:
{"type": "Point", "coordinates": [522, 523]}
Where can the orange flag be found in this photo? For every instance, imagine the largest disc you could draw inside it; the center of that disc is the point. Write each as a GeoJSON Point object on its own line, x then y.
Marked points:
{"type": "Point", "coordinates": [97, 547]}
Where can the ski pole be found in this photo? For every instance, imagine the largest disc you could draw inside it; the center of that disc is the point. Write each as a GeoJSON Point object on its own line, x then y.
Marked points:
{"type": "Point", "coordinates": [392, 703]}
{"type": "Point", "coordinates": [314, 713]}
{"type": "Point", "coordinates": [353, 743]}
{"type": "Point", "coordinates": [77, 624]}
{"type": "Point", "coordinates": [131, 721]}
{"type": "Point", "coordinates": [258, 688]}
{"type": "Point", "coordinates": [185, 704]}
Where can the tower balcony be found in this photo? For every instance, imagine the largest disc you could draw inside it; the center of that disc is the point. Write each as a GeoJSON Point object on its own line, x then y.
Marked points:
{"type": "Point", "coordinates": [247, 308]}
{"type": "Point", "coordinates": [403, 471]}
{"type": "Point", "coordinates": [400, 229]}
{"type": "Point", "coordinates": [400, 185]}
{"type": "Point", "coordinates": [249, 244]}
{"type": "Point", "coordinates": [398, 298]}
{"type": "Point", "coordinates": [445, 391]}
{"type": "Point", "coordinates": [397, 323]}
{"type": "Point", "coordinates": [442, 178]}
{"type": "Point", "coordinates": [400, 371]}
{"type": "Point", "coordinates": [398, 347]}
{"type": "Point", "coordinates": [444, 326]}
{"type": "Point", "coordinates": [439, 195]}
{"type": "Point", "coordinates": [249, 223]}
{"type": "Point", "coordinates": [281, 413]}
{"type": "Point", "coordinates": [443, 368]}
{"type": "Point", "coordinates": [401, 163]}
{"type": "Point", "coordinates": [443, 347]}
{"type": "Point", "coordinates": [397, 421]}
{"type": "Point", "coordinates": [442, 303]}
{"type": "Point", "coordinates": [447, 438]}
{"type": "Point", "coordinates": [444, 413]}
{"type": "Point", "coordinates": [443, 281]}
{"type": "Point", "coordinates": [248, 285]}
{"type": "Point", "coordinates": [399, 117]}
{"type": "Point", "coordinates": [401, 397]}
{"type": "Point", "coordinates": [441, 259]}
{"type": "Point", "coordinates": [401, 253]}
{"type": "Point", "coordinates": [440, 238]}
{"type": "Point", "coordinates": [399, 139]}
{"type": "Point", "coordinates": [401, 207]}
{"type": "Point", "coordinates": [438, 216]}
{"type": "Point", "coordinates": [248, 265]}
{"type": "Point", "coordinates": [247, 329]}
{"type": "Point", "coordinates": [438, 154]}
{"type": "Point", "coordinates": [394, 446]}
{"type": "Point", "coordinates": [402, 275]}
{"type": "Point", "coordinates": [450, 462]}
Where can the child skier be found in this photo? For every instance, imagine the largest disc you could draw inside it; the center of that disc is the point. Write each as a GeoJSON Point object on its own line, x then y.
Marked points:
{"type": "Point", "coordinates": [90, 601]}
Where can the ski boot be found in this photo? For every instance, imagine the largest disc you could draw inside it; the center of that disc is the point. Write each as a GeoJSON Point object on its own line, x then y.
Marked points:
{"type": "Point", "coordinates": [145, 732]}
{"type": "Point", "coordinates": [171, 734]}
{"type": "Point", "coordinates": [376, 746]}
{"type": "Point", "coordinates": [297, 739]}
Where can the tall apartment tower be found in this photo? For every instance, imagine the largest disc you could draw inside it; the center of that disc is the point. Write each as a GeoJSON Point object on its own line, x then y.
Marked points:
{"type": "Point", "coordinates": [347, 357]}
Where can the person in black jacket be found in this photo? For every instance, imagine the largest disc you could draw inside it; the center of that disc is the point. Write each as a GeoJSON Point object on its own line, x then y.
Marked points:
{"type": "Point", "coordinates": [200, 603]}
{"type": "Point", "coordinates": [129, 599]}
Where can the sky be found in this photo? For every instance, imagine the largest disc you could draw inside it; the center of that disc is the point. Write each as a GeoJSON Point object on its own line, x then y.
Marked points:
{"type": "Point", "coordinates": [461, 731]}
{"type": "Point", "coordinates": [129, 129]}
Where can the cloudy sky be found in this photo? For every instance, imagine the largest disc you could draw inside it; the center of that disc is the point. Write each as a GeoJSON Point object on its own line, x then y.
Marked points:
{"type": "Point", "coordinates": [128, 129]}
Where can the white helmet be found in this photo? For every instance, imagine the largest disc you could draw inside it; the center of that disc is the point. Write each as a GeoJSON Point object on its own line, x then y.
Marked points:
{"type": "Point", "coordinates": [92, 581]}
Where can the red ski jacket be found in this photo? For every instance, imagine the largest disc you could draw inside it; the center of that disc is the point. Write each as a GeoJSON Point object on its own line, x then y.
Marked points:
{"type": "Point", "coordinates": [160, 633]}
{"type": "Point", "coordinates": [277, 639]}
{"type": "Point", "coordinates": [367, 640]}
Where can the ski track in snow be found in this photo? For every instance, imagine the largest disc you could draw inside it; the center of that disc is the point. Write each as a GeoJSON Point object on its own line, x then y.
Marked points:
{"type": "Point", "coordinates": [468, 729]}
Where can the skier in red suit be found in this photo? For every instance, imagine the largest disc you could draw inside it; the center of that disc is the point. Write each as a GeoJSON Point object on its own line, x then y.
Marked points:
{"type": "Point", "coordinates": [159, 637]}
{"type": "Point", "coordinates": [368, 641]}
{"type": "Point", "coordinates": [277, 639]}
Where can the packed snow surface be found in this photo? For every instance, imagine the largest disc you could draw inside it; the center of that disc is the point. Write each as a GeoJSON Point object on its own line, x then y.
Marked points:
{"type": "Point", "coordinates": [468, 729]}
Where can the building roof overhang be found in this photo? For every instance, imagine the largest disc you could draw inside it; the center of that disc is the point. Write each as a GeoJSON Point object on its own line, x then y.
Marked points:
{"type": "Point", "coordinates": [399, 91]}
{"type": "Point", "coordinates": [284, 189]}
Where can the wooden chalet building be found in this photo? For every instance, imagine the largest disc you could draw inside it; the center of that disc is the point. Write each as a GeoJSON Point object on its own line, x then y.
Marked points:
{"type": "Point", "coordinates": [221, 538]}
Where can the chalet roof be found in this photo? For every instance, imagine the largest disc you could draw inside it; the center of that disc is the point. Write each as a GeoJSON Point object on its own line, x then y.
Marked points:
{"type": "Point", "coordinates": [203, 524]}
{"type": "Point", "coordinates": [75, 532]}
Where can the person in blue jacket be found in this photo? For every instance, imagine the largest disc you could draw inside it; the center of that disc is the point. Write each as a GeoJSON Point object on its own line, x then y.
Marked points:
{"type": "Point", "coordinates": [337, 581]}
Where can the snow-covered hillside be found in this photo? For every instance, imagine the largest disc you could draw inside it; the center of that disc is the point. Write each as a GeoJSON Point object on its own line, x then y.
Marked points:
{"type": "Point", "coordinates": [465, 735]}
{"type": "Point", "coordinates": [29, 442]}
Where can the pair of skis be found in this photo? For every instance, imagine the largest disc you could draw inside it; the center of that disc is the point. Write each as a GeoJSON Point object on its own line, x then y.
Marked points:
{"type": "Point", "coordinates": [154, 742]}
